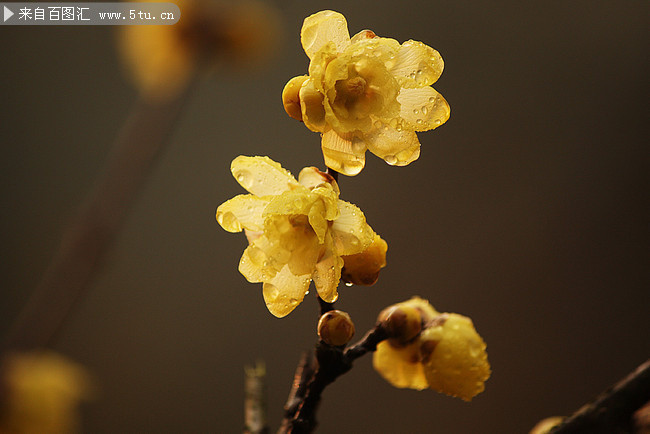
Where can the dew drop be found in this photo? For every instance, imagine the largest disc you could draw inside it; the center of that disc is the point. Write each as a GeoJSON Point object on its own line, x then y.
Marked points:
{"type": "Point", "coordinates": [348, 284]}
{"type": "Point", "coordinates": [416, 111]}
{"type": "Point", "coordinates": [419, 122]}
{"type": "Point", "coordinates": [307, 292]}
{"type": "Point", "coordinates": [390, 159]}
{"type": "Point", "coordinates": [432, 99]}
{"type": "Point", "coordinates": [425, 110]}
{"type": "Point", "coordinates": [437, 122]}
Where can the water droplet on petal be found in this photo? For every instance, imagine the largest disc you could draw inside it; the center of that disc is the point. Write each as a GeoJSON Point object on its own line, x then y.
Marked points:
{"type": "Point", "coordinates": [390, 159]}
{"type": "Point", "coordinates": [348, 284]}
{"type": "Point", "coordinates": [425, 110]}
{"type": "Point", "coordinates": [415, 111]}
{"type": "Point", "coordinates": [432, 99]}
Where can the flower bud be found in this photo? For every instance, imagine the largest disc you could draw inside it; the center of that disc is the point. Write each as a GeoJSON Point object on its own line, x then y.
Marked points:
{"type": "Point", "coordinates": [291, 97]}
{"type": "Point", "coordinates": [402, 323]}
{"type": "Point", "coordinates": [335, 328]}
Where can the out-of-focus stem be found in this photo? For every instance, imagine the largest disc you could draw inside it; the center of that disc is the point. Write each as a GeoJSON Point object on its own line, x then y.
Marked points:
{"type": "Point", "coordinates": [88, 238]}
{"type": "Point", "coordinates": [255, 399]}
{"type": "Point", "coordinates": [612, 411]}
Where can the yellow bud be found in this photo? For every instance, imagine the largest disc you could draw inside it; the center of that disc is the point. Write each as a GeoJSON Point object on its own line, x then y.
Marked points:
{"type": "Point", "coordinates": [402, 323]}
{"type": "Point", "coordinates": [291, 97]}
{"type": "Point", "coordinates": [335, 328]}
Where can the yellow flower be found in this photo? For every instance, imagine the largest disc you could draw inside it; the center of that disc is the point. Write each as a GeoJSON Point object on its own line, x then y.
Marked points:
{"type": "Point", "coordinates": [297, 231]}
{"type": "Point", "coordinates": [365, 93]}
{"type": "Point", "coordinates": [43, 390]}
{"type": "Point", "coordinates": [162, 59]}
{"type": "Point", "coordinates": [448, 355]}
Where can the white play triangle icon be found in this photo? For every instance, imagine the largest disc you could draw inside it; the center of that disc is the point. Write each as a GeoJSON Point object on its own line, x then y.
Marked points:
{"type": "Point", "coordinates": [8, 13]}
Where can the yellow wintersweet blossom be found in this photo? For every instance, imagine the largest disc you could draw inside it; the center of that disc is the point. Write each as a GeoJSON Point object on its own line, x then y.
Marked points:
{"type": "Point", "coordinates": [162, 59]}
{"type": "Point", "coordinates": [297, 231]}
{"type": "Point", "coordinates": [448, 355]}
{"type": "Point", "coordinates": [41, 393]}
{"type": "Point", "coordinates": [365, 93]}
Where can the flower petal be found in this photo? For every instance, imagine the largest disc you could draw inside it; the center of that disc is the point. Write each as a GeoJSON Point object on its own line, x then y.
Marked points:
{"type": "Point", "coordinates": [322, 27]}
{"type": "Point", "coordinates": [304, 253]}
{"type": "Point", "coordinates": [328, 273]}
{"type": "Point", "coordinates": [261, 175]}
{"type": "Point", "coordinates": [344, 153]}
{"type": "Point", "coordinates": [262, 260]}
{"type": "Point", "coordinates": [454, 357]}
{"type": "Point", "coordinates": [311, 178]}
{"type": "Point", "coordinates": [425, 308]}
{"type": "Point", "coordinates": [401, 367]}
{"type": "Point", "coordinates": [396, 147]}
{"type": "Point", "coordinates": [417, 65]}
{"type": "Point", "coordinates": [285, 292]}
{"type": "Point", "coordinates": [291, 98]}
{"type": "Point", "coordinates": [351, 234]}
{"type": "Point", "coordinates": [293, 202]}
{"type": "Point", "coordinates": [423, 109]}
{"type": "Point", "coordinates": [242, 211]}
{"type": "Point", "coordinates": [312, 110]}
{"type": "Point", "coordinates": [363, 268]}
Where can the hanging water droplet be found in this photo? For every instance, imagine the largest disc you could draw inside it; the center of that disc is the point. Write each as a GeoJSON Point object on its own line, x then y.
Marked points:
{"type": "Point", "coordinates": [390, 159]}
{"type": "Point", "coordinates": [349, 283]}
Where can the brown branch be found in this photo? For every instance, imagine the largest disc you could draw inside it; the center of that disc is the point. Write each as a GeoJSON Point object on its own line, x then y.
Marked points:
{"type": "Point", "coordinates": [304, 373]}
{"type": "Point", "coordinates": [612, 412]}
{"type": "Point", "coordinates": [332, 363]}
{"type": "Point", "coordinates": [86, 242]}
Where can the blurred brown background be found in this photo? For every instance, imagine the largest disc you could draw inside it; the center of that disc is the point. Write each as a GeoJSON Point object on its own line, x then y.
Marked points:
{"type": "Point", "coordinates": [527, 211]}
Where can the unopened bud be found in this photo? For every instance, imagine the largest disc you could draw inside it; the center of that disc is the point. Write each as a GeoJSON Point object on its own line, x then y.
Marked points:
{"type": "Point", "coordinates": [291, 97]}
{"type": "Point", "coordinates": [402, 323]}
{"type": "Point", "coordinates": [335, 328]}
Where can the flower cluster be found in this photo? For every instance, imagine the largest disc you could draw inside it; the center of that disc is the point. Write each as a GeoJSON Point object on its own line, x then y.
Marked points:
{"type": "Point", "coordinates": [361, 93]}
{"type": "Point", "coordinates": [430, 350]}
{"type": "Point", "coordinates": [365, 93]}
{"type": "Point", "coordinates": [298, 231]}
